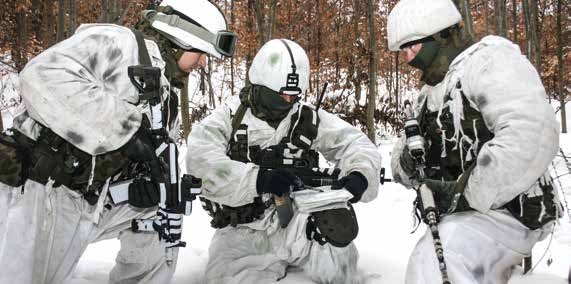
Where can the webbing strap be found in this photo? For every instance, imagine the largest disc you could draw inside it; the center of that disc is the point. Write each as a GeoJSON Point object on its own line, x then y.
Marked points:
{"type": "Point", "coordinates": [144, 58]}
{"type": "Point", "coordinates": [237, 119]}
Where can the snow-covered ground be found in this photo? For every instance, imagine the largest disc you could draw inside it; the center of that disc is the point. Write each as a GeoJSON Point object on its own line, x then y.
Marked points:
{"type": "Point", "coordinates": [384, 241]}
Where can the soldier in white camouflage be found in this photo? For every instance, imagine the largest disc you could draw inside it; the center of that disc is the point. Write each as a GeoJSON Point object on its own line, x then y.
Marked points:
{"type": "Point", "coordinates": [490, 137]}
{"type": "Point", "coordinates": [83, 128]}
{"type": "Point", "coordinates": [258, 149]}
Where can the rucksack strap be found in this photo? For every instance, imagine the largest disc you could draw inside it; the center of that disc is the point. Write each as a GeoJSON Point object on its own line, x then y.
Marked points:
{"type": "Point", "coordinates": [144, 58]}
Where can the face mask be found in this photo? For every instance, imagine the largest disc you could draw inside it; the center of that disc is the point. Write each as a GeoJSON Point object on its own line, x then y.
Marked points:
{"type": "Point", "coordinates": [266, 104]}
{"type": "Point", "coordinates": [425, 55]}
{"type": "Point", "coordinates": [435, 57]}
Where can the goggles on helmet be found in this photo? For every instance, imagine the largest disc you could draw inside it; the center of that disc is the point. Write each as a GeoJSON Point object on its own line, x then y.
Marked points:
{"type": "Point", "coordinates": [223, 41]}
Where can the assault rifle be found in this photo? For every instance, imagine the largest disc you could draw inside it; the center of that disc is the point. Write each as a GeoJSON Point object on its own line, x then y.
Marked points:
{"type": "Point", "coordinates": [175, 198]}
{"type": "Point", "coordinates": [425, 198]}
{"type": "Point", "coordinates": [303, 165]}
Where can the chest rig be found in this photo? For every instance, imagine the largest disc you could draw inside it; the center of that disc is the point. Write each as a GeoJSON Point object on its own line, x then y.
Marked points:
{"type": "Point", "coordinates": [447, 158]}
{"type": "Point", "coordinates": [294, 151]}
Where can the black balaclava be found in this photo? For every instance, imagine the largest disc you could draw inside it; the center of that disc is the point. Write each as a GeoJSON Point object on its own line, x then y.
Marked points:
{"type": "Point", "coordinates": [437, 52]}
{"type": "Point", "coordinates": [266, 104]}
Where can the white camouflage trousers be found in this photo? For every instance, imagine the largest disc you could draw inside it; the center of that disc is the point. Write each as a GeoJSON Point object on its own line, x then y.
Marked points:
{"type": "Point", "coordinates": [478, 248]}
{"type": "Point", "coordinates": [261, 252]}
{"type": "Point", "coordinates": [45, 230]}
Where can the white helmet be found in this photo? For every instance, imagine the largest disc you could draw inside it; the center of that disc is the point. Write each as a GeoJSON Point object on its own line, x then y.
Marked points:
{"type": "Point", "coordinates": [196, 24]}
{"type": "Point", "coordinates": [281, 65]}
{"type": "Point", "coordinates": [412, 20]}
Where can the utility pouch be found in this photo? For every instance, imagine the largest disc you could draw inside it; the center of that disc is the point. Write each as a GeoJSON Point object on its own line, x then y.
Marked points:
{"type": "Point", "coordinates": [223, 215]}
{"type": "Point", "coordinates": [12, 168]}
{"type": "Point", "coordinates": [534, 212]}
{"type": "Point", "coordinates": [338, 226]}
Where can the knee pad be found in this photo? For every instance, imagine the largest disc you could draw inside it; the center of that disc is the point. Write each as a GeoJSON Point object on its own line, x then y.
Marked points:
{"type": "Point", "coordinates": [338, 227]}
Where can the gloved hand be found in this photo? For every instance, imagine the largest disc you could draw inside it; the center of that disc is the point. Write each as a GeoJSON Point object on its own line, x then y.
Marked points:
{"type": "Point", "coordinates": [355, 182]}
{"type": "Point", "coordinates": [143, 193]}
{"type": "Point", "coordinates": [277, 181]}
{"type": "Point", "coordinates": [444, 195]}
{"type": "Point", "coordinates": [406, 162]}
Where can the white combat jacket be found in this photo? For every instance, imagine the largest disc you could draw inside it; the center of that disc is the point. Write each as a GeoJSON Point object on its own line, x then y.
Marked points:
{"type": "Point", "coordinates": [505, 88]}
{"type": "Point", "coordinates": [233, 183]}
{"type": "Point", "coordinates": [79, 88]}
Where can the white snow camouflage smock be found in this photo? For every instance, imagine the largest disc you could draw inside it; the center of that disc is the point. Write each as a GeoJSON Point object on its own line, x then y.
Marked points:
{"type": "Point", "coordinates": [481, 246]}
{"type": "Point", "coordinates": [80, 89]}
{"type": "Point", "coordinates": [261, 250]}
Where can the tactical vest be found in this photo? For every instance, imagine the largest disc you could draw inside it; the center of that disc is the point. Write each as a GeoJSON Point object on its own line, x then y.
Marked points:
{"type": "Point", "coordinates": [533, 212]}
{"type": "Point", "coordinates": [295, 147]}
{"type": "Point", "coordinates": [459, 158]}
{"type": "Point", "coordinates": [50, 157]}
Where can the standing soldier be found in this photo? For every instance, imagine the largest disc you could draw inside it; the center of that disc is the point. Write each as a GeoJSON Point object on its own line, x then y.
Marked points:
{"type": "Point", "coordinates": [260, 147]}
{"type": "Point", "coordinates": [490, 136]}
{"type": "Point", "coordinates": [86, 127]}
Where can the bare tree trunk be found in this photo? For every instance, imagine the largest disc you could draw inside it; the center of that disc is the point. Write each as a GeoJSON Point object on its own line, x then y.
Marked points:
{"type": "Point", "coordinates": [250, 26]}
{"type": "Point", "coordinates": [514, 16]}
{"type": "Point", "coordinates": [371, 99]}
{"type": "Point", "coordinates": [562, 95]}
{"type": "Point", "coordinates": [49, 20]}
{"type": "Point", "coordinates": [232, 20]}
{"type": "Point", "coordinates": [486, 16]}
{"type": "Point", "coordinates": [105, 11]}
{"type": "Point", "coordinates": [260, 20]}
{"type": "Point", "coordinates": [528, 32]}
{"type": "Point", "coordinates": [116, 10]}
{"type": "Point", "coordinates": [357, 72]}
{"type": "Point", "coordinates": [184, 113]}
{"type": "Point", "coordinates": [72, 16]}
{"type": "Point", "coordinates": [272, 27]}
{"type": "Point", "coordinates": [499, 17]}
{"type": "Point", "coordinates": [60, 20]}
{"type": "Point", "coordinates": [1, 122]}
{"type": "Point", "coordinates": [37, 25]}
{"type": "Point", "coordinates": [19, 53]}
{"type": "Point", "coordinates": [536, 36]}
{"type": "Point", "coordinates": [464, 8]}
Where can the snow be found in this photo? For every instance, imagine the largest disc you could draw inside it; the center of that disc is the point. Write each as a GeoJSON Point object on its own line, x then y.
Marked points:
{"type": "Point", "coordinates": [384, 241]}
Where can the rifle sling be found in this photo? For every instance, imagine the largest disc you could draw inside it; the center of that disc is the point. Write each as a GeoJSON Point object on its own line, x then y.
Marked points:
{"type": "Point", "coordinates": [237, 119]}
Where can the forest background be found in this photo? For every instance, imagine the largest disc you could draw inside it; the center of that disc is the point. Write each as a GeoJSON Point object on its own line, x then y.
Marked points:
{"type": "Point", "coordinates": [345, 41]}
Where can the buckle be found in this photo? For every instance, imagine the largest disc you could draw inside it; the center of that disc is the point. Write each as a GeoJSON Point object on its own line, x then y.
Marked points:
{"type": "Point", "coordinates": [173, 20]}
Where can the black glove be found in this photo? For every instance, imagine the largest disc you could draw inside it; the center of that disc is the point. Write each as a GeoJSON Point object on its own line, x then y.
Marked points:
{"type": "Point", "coordinates": [444, 195]}
{"type": "Point", "coordinates": [355, 182]}
{"type": "Point", "coordinates": [406, 161]}
{"type": "Point", "coordinates": [278, 182]}
{"type": "Point", "coordinates": [143, 193]}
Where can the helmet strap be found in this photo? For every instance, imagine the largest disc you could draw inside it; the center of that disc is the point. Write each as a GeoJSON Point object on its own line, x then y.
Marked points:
{"type": "Point", "coordinates": [292, 82]}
